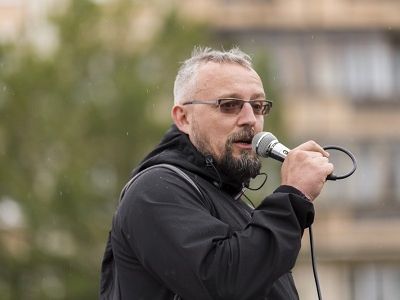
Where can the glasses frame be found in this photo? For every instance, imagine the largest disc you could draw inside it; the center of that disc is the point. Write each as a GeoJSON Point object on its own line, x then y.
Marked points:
{"type": "Point", "coordinates": [267, 104]}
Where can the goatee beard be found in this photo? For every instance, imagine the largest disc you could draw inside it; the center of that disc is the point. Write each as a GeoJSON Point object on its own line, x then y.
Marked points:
{"type": "Point", "coordinates": [242, 168]}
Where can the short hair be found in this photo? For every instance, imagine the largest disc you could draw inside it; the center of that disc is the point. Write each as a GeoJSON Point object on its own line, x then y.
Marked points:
{"type": "Point", "coordinates": [185, 79]}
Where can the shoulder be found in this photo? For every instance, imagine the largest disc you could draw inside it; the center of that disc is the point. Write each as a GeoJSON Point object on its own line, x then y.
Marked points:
{"type": "Point", "coordinates": [162, 186]}
{"type": "Point", "coordinates": [158, 197]}
{"type": "Point", "coordinates": [161, 176]}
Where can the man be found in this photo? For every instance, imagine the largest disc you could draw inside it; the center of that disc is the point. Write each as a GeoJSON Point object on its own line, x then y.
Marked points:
{"type": "Point", "coordinates": [172, 239]}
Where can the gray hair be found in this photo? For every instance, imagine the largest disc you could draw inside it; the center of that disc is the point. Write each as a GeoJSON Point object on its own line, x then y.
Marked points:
{"type": "Point", "coordinates": [186, 77]}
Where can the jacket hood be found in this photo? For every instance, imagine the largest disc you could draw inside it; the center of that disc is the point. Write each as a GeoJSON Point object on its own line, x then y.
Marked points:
{"type": "Point", "coordinates": [176, 148]}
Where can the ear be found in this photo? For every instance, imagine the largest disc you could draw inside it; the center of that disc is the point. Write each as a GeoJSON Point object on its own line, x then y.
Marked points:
{"type": "Point", "coordinates": [180, 117]}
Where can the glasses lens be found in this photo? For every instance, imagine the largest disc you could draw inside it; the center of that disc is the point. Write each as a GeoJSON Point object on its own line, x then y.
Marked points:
{"type": "Point", "coordinates": [234, 106]}
{"type": "Point", "coordinates": [230, 106]}
{"type": "Point", "coordinates": [259, 107]}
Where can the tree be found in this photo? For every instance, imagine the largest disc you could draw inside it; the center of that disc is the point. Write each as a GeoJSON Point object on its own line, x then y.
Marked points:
{"type": "Point", "coordinates": [72, 125]}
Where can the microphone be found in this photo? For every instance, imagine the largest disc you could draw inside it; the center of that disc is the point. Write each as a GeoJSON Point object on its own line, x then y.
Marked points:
{"type": "Point", "coordinates": [265, 144]}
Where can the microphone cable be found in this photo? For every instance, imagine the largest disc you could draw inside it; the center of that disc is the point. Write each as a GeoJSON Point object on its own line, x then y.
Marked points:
{"type": "Point", "coordinates": [330, 177]}
{"type": "Point", "coordinates": [349, 154]}
{"type": "Point", "coordinates": [314, 263]}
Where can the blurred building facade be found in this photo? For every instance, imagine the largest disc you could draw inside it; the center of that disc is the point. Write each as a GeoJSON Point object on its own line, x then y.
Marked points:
{"type": "Point", "coordinates": [336, 64]}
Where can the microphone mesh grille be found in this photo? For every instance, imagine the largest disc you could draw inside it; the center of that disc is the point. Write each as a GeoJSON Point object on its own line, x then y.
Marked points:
{"type": "Point", "coordinates": [261, 142]}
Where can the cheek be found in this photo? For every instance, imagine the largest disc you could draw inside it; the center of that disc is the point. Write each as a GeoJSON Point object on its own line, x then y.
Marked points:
{"type": "Point", "coordinates": [217, 139]}
{"type": "Point", "coordinates": [260, 124]}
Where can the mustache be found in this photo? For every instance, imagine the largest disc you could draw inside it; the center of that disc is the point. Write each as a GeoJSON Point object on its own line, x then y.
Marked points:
{"type": "Point", "coordinates": [246, 135]}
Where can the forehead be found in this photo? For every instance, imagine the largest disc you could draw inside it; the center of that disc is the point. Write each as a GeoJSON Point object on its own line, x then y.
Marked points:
{"type": "Point", "coordinates": [227, 79]}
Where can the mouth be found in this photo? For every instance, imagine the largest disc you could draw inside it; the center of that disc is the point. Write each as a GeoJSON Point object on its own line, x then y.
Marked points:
{"type": "Point", "coordinates": [242, 140]}
{"type": "Point", "coordinates": [244, 143]}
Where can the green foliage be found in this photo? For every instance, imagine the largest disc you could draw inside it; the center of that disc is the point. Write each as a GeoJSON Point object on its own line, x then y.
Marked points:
{"type": "Point", "coordinates": [72, 125]}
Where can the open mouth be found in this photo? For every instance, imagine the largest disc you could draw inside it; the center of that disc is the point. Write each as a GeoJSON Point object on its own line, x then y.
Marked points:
{"type": "Point", "coordinates": [243, 143]}
{"type": "Point", "coordinates": [243, 139]}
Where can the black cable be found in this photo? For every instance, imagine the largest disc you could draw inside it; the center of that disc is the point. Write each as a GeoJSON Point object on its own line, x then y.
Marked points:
{"type": "Point", "coordinates": [330, 177]}
{"type": "Point", "coordinates": [313, 263]}
{"type": "Point", "coordinates": [248, 199]}
{"type": "Point", "coordinates": [262, 184]}
{"type": "Point", "coordinates": [353, 159]}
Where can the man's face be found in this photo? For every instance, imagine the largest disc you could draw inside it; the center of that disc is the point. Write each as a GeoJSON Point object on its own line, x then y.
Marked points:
{"type": "Point", "coordinates": [227, 137]}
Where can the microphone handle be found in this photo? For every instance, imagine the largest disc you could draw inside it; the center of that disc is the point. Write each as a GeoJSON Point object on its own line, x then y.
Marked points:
{"type": "Point", "coordinates": [278, 151]}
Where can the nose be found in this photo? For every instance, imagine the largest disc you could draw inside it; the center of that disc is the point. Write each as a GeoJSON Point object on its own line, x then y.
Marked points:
{"type": "Point", "coordinates": [247, 116]}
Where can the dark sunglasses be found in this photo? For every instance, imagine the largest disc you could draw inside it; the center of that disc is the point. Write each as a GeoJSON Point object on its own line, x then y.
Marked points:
{"type": "Point", "coordinates": [234, 106]}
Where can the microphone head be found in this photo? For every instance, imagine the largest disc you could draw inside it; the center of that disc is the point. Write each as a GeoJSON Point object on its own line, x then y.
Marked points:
{"type": "Point", "coordinates": [261, 143]}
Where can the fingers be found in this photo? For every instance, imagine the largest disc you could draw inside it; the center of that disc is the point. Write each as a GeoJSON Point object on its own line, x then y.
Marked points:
{"type": "Point", "coordinates": [306, 168]}
{"type": "Point", "coordinates": [312, 146]}
{"type": "Point", "coordinates": [325, 166]}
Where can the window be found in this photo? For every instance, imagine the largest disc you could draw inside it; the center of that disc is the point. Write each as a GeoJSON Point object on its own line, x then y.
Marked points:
{"type": "Point", "coordinates": [364, 65]}
{"type": "Point", "coordinates": [376, 281]}
{"type": "Point", "coordinates": [376, 180]}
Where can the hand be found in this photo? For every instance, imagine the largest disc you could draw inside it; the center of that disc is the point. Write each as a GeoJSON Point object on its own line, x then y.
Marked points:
{"type": "Point", "coordinates": [306, 168]}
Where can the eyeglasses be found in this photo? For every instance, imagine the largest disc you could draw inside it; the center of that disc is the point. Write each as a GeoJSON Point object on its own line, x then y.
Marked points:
{"type": "Point", "coordinates": [234, 106]}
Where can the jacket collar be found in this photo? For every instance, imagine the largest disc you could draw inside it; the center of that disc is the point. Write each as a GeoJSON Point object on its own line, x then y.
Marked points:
{"type": "Point", "coordinates": [176, 148]}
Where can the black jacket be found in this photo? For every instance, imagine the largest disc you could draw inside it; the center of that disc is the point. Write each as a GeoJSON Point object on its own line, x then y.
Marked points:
{"type": "Point", "coordinates": [167, 239]}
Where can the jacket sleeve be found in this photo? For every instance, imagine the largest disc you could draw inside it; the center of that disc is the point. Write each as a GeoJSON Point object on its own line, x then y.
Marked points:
{"type": "Point", "coordinates": [198, 256]}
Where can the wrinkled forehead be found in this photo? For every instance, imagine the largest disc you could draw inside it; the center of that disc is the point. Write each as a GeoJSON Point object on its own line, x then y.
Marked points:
{"type": "Point", "coordinates": [226, 79]}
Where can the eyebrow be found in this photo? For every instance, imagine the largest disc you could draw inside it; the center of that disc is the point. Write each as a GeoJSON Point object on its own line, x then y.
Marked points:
{"type": "Point", "coordinates": [238, 96]}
